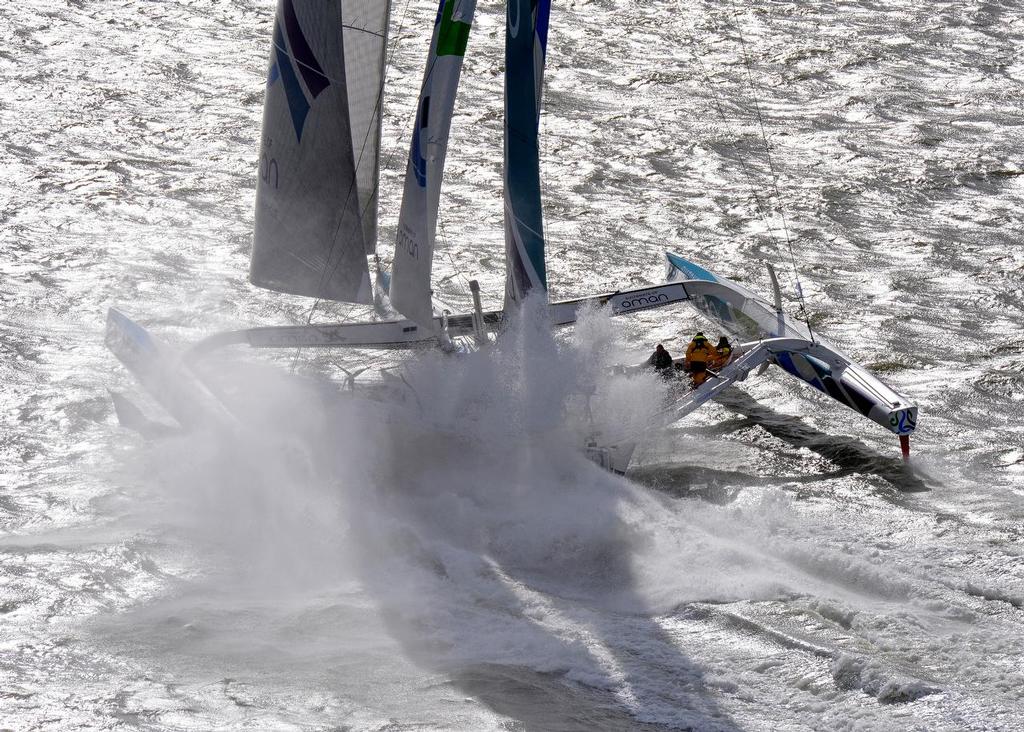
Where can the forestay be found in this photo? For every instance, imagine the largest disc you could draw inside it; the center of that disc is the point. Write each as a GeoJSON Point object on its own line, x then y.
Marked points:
{"type": "Point", "coordinates": [414, 248]}
{"type": "Point", "coordinates": [316, 195]}
{"type": "Point", "coordinates": [525, 46]}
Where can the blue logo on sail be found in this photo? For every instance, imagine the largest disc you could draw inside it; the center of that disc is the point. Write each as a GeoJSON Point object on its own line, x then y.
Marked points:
{"type": "Point", "coordinates": [289, 67]}
{"type": "Point", "coordinates": [416, 158]}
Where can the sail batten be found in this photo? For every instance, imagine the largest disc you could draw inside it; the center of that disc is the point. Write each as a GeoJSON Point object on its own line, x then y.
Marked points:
{"type": "Point", "coordinates": [414, 246]}
{"type": "Point", "coordinates": [316, 194]}
{"type": "Point", "coordinates": [525, 46]}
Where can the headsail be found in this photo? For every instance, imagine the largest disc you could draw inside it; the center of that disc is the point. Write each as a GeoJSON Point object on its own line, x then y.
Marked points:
{"type": "Point", "coordinates": [365, 30]}
{"type": "Point", "coordinates": [317, 187]}
{"type": "Point", "coordinates": [525, 43]}
{"type": "Point", "coordinates": [414, 248]}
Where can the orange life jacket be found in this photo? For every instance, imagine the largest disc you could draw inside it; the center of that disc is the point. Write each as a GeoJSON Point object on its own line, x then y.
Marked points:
{"type": "Point", "coordinates": [701, 354]}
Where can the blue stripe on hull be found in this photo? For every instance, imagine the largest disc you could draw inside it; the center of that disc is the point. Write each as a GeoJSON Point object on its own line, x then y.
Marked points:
{"type": "Point", "coordinates": [694, 271]}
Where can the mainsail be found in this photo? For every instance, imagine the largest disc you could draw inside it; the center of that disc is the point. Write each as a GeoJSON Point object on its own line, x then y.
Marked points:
{"type": "Point", "coordinates": [525, 44]}
{"type": "Point", "coordinates": [316, 195]}
{"type": "Point", "coordinates": [414, 247]}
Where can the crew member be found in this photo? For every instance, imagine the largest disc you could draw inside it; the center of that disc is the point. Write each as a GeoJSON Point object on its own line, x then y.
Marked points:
{"type": "Point", "coordinates": [661, 360]}
{"type": "Point", "coordinates": [724, 352]}
{"type": "Point", "coordinates": [699, 355]}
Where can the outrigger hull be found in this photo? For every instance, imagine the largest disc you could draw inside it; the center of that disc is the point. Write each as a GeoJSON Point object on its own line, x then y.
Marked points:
{"type": "Point", "coordinates": [165, 376]}
{"type": "Point", "coordinates": [790, 345]}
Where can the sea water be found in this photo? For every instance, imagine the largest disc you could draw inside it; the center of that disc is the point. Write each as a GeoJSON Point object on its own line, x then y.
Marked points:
{"type": "Point", "coordinates": [451, 561]}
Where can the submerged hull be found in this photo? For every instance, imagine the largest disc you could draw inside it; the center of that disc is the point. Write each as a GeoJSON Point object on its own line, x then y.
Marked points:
{"type": "Point", "coordinates": [183, 388]}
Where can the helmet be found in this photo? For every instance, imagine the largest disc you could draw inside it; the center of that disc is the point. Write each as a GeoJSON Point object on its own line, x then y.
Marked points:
{"type": "Point", "coordinates": [699, 337]}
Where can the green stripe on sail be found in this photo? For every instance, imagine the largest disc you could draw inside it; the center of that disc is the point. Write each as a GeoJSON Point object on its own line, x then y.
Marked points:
{"type": "Point", "coordinates": [453, 36]}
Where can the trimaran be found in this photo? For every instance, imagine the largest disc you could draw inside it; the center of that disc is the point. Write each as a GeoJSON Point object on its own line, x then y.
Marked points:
{"type": "Point", "coordinates": [316, 223]}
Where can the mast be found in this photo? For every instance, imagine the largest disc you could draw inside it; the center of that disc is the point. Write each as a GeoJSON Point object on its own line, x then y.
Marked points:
{"type": "Point", "coordinates": [526, 33]}
{"type": "Point", "coordinates": [410, 291]}
{"type": "Point", "coordinates": [316, 194]}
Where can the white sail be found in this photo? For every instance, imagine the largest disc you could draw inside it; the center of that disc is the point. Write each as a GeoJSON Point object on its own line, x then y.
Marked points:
{"type": "Point", "coordinates": [414, 247]}
{"type": "Point", "coordinates": [365, 28]}
{"type": "Point", "coordinates": [316, 191]}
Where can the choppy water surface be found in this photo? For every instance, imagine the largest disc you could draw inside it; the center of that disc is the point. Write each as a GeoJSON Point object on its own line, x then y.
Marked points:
{"type": "Point", "coordinates": [769, 565]}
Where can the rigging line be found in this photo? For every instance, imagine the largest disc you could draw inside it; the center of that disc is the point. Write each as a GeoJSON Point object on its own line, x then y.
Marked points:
{"type": "Point", "coordinates": [458, 273]}
{"type": "Point", "coordinates": [391, 154]}
{"type": "Point", "coordinates": [771, 169]}
{"type": "Point", "coordinates": [427, 77]}
{"type": "Point", "coordinates": [328, 269]}
{"type": "Point", "coordinates": [762, 210]}
{"type": "Point", "coordinates": [378, 111]}
{"type": "Point", "coordinates": [446, 244]}
{"type": "Point", "coordinates": [398, 142]}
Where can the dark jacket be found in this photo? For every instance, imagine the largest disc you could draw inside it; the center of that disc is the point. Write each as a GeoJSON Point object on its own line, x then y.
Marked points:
{"type": "Point", "coordinates": [660, 360]}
